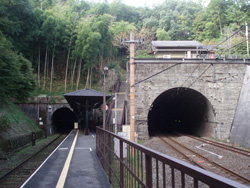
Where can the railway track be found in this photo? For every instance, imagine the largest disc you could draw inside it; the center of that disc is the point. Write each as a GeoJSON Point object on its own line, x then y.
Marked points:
{"type": "Point", "coordinates": [15, 177]}
{"type": "Point", "coordinates": [221, 145]}
{"type": "Point", "coordinates": [203, 162]}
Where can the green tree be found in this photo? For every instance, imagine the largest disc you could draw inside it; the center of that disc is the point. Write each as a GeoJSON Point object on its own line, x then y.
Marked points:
{"type": "Point", "coordinates": [161, 34]}
{"type": "Point", "coordinates": [175, 17]}
{"type": "Point", "coordinates": [120, 31]}
{"type": "Point", "coordinates": [16, 77]}
{"type": "Point", "coordinates": [123, 12]}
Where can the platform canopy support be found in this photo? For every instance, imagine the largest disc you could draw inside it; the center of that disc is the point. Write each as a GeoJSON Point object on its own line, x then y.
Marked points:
{"type": "Point", "coordinates": [82, 101]}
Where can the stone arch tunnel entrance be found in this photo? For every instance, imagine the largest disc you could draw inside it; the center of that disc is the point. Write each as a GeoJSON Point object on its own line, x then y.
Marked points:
{"type": "Point", "coordinates": [63, 120]}
{"type": "Point", "coordinates": [181, 110]}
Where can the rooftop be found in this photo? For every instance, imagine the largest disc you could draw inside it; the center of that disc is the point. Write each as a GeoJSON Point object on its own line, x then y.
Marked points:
{"type": "Point", "coordinates": [85, 98]}
{"type": "Point", "coordinates": [176, 43]}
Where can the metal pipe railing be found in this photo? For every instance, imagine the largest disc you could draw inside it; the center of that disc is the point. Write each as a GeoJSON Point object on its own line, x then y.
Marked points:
{"type": "Point", "coordinates": [111, 105]}
{"type": "Point", "coordinates": [128, 165]}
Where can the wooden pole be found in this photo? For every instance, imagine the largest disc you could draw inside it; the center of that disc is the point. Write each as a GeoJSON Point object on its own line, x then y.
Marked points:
{"type": "Point", "coordinates": [132, 89]}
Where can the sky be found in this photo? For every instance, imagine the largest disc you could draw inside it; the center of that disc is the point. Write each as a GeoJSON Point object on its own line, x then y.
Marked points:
{"type": "Point", "coordinates": [150, 3]}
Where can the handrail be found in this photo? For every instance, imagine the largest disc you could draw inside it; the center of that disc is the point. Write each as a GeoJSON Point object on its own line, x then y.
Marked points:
{"type": "Point", "coordinates": [111, 105]}
{"type": "Point", "coordinates": [123, 113]}
{"type": "Point", "coordinates": [129, 164]}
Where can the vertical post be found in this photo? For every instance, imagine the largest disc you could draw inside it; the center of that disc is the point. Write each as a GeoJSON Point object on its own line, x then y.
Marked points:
{"type": "Point", "coordinates": [148, 161]}
{"type": "Point", "coordinates": [33, 138]}
{"type": "Point", "coordinates": [247, 39]}
{"type": "Point", "coordinates": [104, 150]}
{"type": "Point", "coordinates": [173, 177]}
{"type": "Point", "coordinates": [121, 165]}
{"type": "Point", "coordinates": [115, 113]}
{"type": "Point", "coordinates": [132, 89]}
{"type": "Point", "coordinates": [105, 70]}
{"type": "Point", "coordinates": [86, 118]}
{"type": "Point", "coordinates": [104, 100]}
{"type": "Point", "coordinates": [97, 142]}
{"type": "Point", "coordinates": [109, 153]}
{"type": "Point", "coordinates": [126, 113]}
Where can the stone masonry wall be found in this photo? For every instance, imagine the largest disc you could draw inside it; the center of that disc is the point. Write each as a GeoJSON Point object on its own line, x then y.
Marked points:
{"type": "Point", "coordinates": [42, 108]}
{"type": "Point", "coordinates": [220, 84]}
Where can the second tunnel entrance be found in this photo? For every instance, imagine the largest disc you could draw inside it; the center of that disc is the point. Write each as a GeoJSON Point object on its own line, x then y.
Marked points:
{"type": "Point", "coordinates": [181, 110]}
{"type": "Point", "coordinates": [63, 120]}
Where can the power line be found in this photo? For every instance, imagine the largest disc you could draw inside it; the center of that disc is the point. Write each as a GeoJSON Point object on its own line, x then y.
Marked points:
{"type": "Point", "coordinates": [231, 47]}
{"type": "Point", "coordinates": [190, 75]}
{"type": "Point", "coordinates": [155, 74]}
{"type": "Point", "coordinates": [200, 75]}
{"type": "Point", "coordinates": [242, 27]}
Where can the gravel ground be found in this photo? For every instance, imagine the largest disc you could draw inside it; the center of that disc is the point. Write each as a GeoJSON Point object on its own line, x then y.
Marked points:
{"type": "Point", "coordinates": [235, 162]}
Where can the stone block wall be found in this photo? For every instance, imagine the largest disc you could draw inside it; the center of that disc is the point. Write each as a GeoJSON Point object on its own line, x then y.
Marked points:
{"type": "Point", "coordinates": [220, 84]}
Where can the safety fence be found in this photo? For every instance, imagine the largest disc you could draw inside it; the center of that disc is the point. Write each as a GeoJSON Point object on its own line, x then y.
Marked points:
{"type": "Point", "coordinates": [112, 102]}
{"type": "Point", "coordinates": [130, 165]}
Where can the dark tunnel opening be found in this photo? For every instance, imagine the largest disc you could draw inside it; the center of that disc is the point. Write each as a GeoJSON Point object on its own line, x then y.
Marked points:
{"type": "Point", "coordinates": [63, 120]}
{"type": "Point", "coordinates": [181, 110]}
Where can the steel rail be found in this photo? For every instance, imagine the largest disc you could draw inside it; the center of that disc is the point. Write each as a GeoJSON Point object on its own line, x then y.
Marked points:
{"type": "Point", "coordinates": [179, 151]}
{"type": "Point", "coordinates": [212, 162]}
{"type": "Point", "coordinates": [223, 146]}
{"type": "Point", "coordinates": [13, 170]}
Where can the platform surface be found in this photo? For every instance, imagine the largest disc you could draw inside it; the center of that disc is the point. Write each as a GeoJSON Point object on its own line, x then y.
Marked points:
{"type": "Point", "coordinates": [84, 170]}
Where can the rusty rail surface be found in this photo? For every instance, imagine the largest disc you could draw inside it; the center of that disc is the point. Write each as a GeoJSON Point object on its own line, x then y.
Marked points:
{"type": "Point", "coordinates": [222, 145]}
{"type": "Point", "coordinates": [213, 163]}
{"type": "Point", "coordinates": [129, 165]}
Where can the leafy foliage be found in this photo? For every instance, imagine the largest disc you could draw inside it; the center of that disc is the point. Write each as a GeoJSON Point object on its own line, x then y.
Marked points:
{"type": "Point", "coordinates": [69, 36]}
{"type": "Point", "coordinates": [16, 75]}
{"type": "Point", "coordinates": [161, 34]}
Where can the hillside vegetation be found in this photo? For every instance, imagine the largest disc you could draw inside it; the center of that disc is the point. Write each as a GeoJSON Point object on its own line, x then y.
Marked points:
{"type": "Point", "coordinates": [70, 41]}
{"type": "Point", "coordinates": [16, 127]}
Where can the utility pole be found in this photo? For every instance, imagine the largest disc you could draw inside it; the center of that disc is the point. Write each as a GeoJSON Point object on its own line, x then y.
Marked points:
{"type": "Point", "coordinates": [132, 89]}
{"type": "Point", "coordinates": [247, 39]}
{"type": "Point", "coordinates": [132, 43]}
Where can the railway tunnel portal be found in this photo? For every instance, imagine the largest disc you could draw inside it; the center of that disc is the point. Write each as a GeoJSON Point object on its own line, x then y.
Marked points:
{"type": "Point", "coordinates": [181, 110]}
{"type": "Point", "coordinates": [199, 99]}
{"type": "Point", "coordinates": [63, 120]}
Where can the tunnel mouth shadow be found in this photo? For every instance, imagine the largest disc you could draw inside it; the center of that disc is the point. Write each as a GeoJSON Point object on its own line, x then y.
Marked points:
{"type": "Point", "coordinates": [63, 120]}
{"type": "Point", "coordinates": [181, 111]}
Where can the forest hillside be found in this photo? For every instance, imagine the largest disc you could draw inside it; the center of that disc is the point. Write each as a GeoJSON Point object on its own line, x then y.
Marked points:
{"type": "Point", "coordinates": [57, 46]}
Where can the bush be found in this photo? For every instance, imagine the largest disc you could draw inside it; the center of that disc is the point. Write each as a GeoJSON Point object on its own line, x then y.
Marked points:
{"type": "Point", "coordinates": [4, 123]}
{"type": "Point", "coordinates": [11, 144]}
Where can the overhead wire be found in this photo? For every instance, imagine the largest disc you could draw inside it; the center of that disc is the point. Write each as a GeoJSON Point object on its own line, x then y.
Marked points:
{"type": "Point", "coordinates": [232, 47]}
{"type": "Point", "coordinates": [155, 74]}
{"type": "Point", "coordinates": [242, 27]}
{"type": "Point", "coordinates": [200, 75]}
{"type": "Point", "coordinates": [190, 75]}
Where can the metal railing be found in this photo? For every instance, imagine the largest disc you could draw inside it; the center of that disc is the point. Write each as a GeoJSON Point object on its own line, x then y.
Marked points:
{"type": "Point", "coordinates": [111, 127]}
{"type": "Point", "coordinates": [130, 165]}
{"type": "Point", "coordinates": [112, 103]}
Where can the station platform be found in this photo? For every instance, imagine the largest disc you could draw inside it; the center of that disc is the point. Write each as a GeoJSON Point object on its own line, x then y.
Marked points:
{"type": "Point", "coordinates": [72, 164]}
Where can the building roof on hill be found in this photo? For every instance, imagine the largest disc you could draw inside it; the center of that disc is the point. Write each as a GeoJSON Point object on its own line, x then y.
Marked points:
{"type": "Point", "coordinates": [176, 44]}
